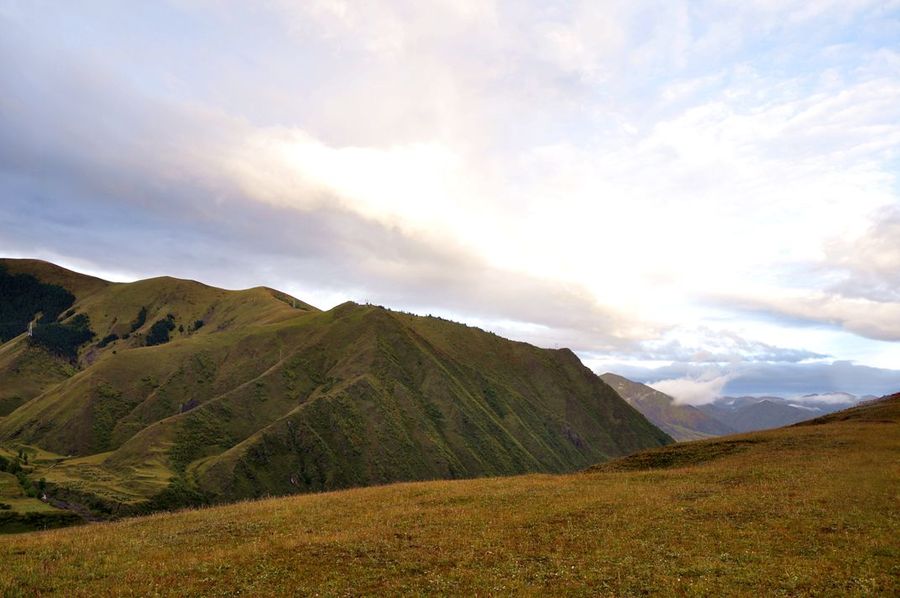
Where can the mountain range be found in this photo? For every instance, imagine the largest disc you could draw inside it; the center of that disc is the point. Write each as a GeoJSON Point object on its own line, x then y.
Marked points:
{"type": "Point", "coordinates": [681, 422]}
{"type": "Point", "coordinates": [725, 415]}
{"type": "Point", "coordinates": [747, 414]}
{"type": "Point", "coordinates": [130, 397]}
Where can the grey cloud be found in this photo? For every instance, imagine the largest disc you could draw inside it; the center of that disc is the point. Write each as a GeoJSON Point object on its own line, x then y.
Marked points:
{"type": "Point", "coordinates": [93, 169]}
{"type": "Point", "coordinates": [870, 263]}
{"type": "Point", "coordinates": [860, 278]}
{"type": "Point", "coordinates": [722, 346]}
{"type": "Point", "coordinates": [245, 243]}
{"type": "Point", "coordinates": [878, 320]}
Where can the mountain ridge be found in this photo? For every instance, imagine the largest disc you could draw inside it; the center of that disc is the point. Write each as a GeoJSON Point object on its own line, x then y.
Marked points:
{"type": "Point", "coordinates": [189, 394]}
{"type": "Point", "coordinates": [749, 413]}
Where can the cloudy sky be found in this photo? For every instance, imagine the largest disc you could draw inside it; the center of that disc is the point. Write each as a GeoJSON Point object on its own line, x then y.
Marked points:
{"type": "Point", "coordinates": [704, 193]}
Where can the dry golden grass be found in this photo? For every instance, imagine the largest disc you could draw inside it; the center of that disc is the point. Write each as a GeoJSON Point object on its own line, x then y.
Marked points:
{"type": "Point", "coordinates": [809, 510]}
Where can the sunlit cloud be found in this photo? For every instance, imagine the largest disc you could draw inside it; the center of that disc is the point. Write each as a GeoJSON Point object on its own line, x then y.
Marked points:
{"type": "Point", "coordinates": [693, 391]}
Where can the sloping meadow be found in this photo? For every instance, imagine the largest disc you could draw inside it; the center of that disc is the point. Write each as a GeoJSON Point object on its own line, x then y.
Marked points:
{"type": "Point", "coordinates": [801, 511]}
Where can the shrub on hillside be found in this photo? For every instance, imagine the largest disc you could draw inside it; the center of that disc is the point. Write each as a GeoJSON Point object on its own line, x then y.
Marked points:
{"type": "Point", "coordinates": [9, 466]}
{"type": "Point", "coordinates": [108, 339]}
{"type": "Point", "coordinates": [159, 332]}
{"type": "Point", "coordinates": [63, 339]}
{"type": "Point", "coordinates": [140, 320]}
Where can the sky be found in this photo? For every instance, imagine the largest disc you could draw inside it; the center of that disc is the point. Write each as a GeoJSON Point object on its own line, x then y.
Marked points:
{"type": "Point", "coordinates": [703, 195]}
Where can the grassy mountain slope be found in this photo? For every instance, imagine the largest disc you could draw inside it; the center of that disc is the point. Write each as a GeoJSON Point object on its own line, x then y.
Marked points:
{"type": "Point", "coordinates": [412, 398]}
{"type": "Point", "coordinates": [26, 372]}
{"type": "Point", "coordinates": [115, 310]}
{"type": "Point", "coordinates": [80, 285]}
{"type": "Point", "coordinates": [271, 396]}
{"type": "Point", "coordinates": [881, 410]}
{"type": "Point", "coordinates": [681, 422]}
{"type": "Point", "coordinates": [806, 510]}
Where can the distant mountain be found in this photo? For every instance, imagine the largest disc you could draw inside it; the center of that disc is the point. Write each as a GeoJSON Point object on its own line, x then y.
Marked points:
{"type": "Point", "coordinates": [747, 414]}
{"type": "Point", "coordinates": [681, 422]}
{"type": "Point", "coordinates": [165, 392]}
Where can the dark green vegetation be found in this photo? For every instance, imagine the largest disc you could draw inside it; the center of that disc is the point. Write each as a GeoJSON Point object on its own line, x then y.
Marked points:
{"type": "Point", "coordinates": [26, 302]}
{"type": "Point", "coordinates": [159, 332]}
{"type": "Point", "coordinates": [20, 507]}
{"type": "Point", "coordinates": [139, 320]}
{"type": "Point", "coordinates": [23, 297]}
{"type": "Point", "coordinates": [809, 510]}
{"type": "Point", "coordinates": [63, 338]}
{"type": "Point", "coordinates": [681, 422]}
{"type": "Point", "coordinates": [196, 395]}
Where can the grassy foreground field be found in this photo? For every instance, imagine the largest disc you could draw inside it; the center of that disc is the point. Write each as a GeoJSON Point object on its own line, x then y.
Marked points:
{"type": "Point", "coordinates": [804, 510]}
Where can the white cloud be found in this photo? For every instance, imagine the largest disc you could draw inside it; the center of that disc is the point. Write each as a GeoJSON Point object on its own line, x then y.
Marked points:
{"type": "Point", "coordinates": [827, 397]}
{"type": "Point", "coordinates": [693, 391]}
{"type": "Point", "coordinates": [414, 185]}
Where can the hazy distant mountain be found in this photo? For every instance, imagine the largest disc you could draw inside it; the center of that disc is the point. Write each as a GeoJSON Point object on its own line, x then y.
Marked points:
{"type": "Point", "coordinates": [681, 422]}
{"type": "Point", "coordinates": [746, 414]}
{"type": "Point", "coordinates": [161, 392]}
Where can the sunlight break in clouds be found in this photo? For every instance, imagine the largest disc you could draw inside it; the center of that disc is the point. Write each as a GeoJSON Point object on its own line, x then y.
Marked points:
{"type": "Point", "coordinates": [674, 183]}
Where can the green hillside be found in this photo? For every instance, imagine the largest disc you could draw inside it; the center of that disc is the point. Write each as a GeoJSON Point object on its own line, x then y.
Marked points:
{"type": "Point", "coordinates": [188, 394]}
{"type": "Point", "coordinates": [809, 510]}
{"type": "Point", "coordinates": [80, 285]}
{"type": "Point", "coordinates": [26, 372]}
{"type": "Point", "coordinates": [681, 422]}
